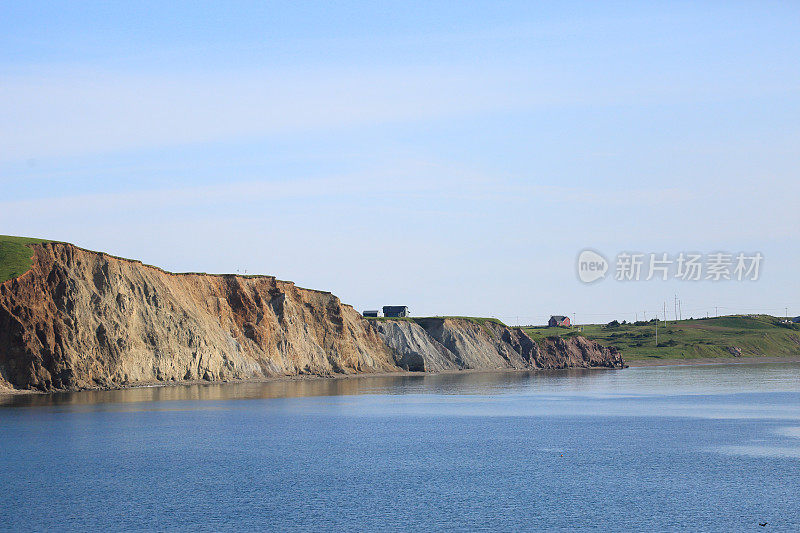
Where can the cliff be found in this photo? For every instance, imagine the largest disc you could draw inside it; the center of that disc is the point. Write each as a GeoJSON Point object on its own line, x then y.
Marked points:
{"type": "Point", "coordinates": [79, 319]}
{"type": "Point", "coordinates": [435, 344]}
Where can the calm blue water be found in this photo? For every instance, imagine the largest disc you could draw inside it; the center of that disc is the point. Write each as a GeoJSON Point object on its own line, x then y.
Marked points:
{"type": "Point", "coordinates": [712, 448]}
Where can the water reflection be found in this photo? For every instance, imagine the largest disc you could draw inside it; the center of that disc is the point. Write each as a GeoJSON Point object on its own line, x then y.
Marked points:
{"type": "Point", "coordinates": [594, 383]}
{"type": "Point", "coordinates": [449, 383]}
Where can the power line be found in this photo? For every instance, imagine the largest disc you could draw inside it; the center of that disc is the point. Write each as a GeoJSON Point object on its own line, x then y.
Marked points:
{"type": "Point", "coordinates": [678, 309]}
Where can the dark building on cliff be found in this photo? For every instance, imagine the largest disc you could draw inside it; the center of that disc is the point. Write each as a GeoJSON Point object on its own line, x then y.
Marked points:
{"type": "Point", "coordinates": [559, 320]}
{"type": "Point", "coordinates": [395, 311]}
{"type": "Point", "coordinates": [371, 313]}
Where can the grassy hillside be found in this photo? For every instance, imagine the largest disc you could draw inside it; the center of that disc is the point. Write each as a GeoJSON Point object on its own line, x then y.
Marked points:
{"type": "Point", "coordinates": [15, 256]}
{"type": "Point", "coordinates": [754, 336]}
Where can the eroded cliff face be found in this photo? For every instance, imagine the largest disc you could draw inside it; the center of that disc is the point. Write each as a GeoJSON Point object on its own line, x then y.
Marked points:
{"type": "Point", "coordinates": [433, 344]}
{"type": "Point", "coordinates": [576, 352]}
{"type": "Point", "coordinates": [414, 349]}
{"type": "Point", "coordinates": [81, 319]}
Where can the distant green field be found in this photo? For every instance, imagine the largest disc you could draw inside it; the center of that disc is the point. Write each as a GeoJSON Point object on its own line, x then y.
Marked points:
{"type": "Point", "coordinates": [15, 256]}
{"type": "Point", "coordinates": [755, 336]}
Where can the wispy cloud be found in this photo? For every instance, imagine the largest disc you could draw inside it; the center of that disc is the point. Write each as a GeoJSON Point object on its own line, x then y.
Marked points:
{"type": "Point", "coordinates": [409, 178]}
{"type": "Point", "coordinates": [62, 111]}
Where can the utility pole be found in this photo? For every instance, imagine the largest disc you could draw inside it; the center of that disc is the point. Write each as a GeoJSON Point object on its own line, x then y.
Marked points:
{"type": "Point", "coordinates": [675, 303]}
{"type": "Point", "coordinates": [665, 312]}
{"type": "Point", "coordinates": [656, 332]}
{"type": "Point", "coordinates": [787, 312]}
{"type": "Point", "coordinates": [680, 311]}
{"type": "Point", "coordinates": [716, 311]}
{"type": "Point", "coordinates": [574, 315]}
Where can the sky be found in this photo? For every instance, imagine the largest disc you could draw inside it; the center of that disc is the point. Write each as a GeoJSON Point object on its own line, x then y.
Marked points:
{"type": "Point", "coordinates": [455, 157]}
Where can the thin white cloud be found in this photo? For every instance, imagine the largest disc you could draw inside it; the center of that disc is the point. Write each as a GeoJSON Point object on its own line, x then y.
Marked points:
{"type": "Point", "coordinates": [409, 178]}
{"type": "Point", "coordinates": [58, 111]}
{"type": "Point", "coordinates": [82, 112]}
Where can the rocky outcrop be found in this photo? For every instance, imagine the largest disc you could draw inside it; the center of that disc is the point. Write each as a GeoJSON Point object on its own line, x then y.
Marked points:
{"type": "Point", "coordinates": [80, 319]}
{"type": "Point", "coordinates": [576, 352]}
{"type": "Point", "coordinates": [413, 348]}
{"type": "Point", "coordinates": [735, 351]}
{"type": "Point", "coordinates": [432, 344]}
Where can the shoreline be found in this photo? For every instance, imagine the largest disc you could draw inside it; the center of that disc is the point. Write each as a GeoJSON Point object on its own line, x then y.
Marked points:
{"type": "Point", "coordinates": [297, 378]}
{"type": "Point", "coordinates": [636, 363]}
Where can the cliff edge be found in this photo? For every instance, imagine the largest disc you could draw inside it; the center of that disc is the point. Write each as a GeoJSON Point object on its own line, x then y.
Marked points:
{"type": "Point", "coordinates": [436, 344]}
{"type": "Point", "coordinates": [79, 319]}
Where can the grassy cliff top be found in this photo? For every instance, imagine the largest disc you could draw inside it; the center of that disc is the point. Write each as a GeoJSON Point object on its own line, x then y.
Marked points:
{"type": "Point", "coordinates": [747, 335]}
{"type": "Point", "coordinates": [15, 256]}
{"type": "Point", "coordinates": [476, 319]}
{"type": "Point", "coordinates": [480, 321]}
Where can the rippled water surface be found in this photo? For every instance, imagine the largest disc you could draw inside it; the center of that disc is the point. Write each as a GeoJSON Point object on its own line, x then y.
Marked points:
{"type": "Point", "coordinates": [707, 448]}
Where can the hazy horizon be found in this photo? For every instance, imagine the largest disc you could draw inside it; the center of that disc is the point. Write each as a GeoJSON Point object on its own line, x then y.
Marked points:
{"type": "Point", "coordinates": [452, 158]}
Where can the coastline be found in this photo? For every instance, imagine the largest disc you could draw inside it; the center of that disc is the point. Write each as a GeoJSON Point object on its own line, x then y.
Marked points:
{"type": "Point", "coordinates": [404, 373]}
{"type": "Point", "coordinates": [297, 378]}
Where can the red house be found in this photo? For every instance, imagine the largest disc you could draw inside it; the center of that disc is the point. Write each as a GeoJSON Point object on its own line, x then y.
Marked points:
{"type": "Point", "coordinates": [558, 320]}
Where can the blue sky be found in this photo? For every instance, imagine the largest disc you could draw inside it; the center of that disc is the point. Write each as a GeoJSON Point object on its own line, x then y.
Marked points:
{"type": "Point", "coordinates": [455, 157]}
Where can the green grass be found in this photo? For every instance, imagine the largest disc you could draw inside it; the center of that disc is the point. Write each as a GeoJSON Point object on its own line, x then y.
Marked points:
{"type": "Point", "coordinates": [477, 319]}
{"type": "Point", "coordinates": [542, 332]}
{"type": "Point", "coordinates": [15, 256]}
{"type": "Point", "coordinates": [755, 336]}
{"type": "Point", "coordinates": [481, 321]}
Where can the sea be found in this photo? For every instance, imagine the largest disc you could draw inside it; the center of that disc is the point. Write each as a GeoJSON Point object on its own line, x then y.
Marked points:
{"type": "Point", "coordinates": [671, 448]}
